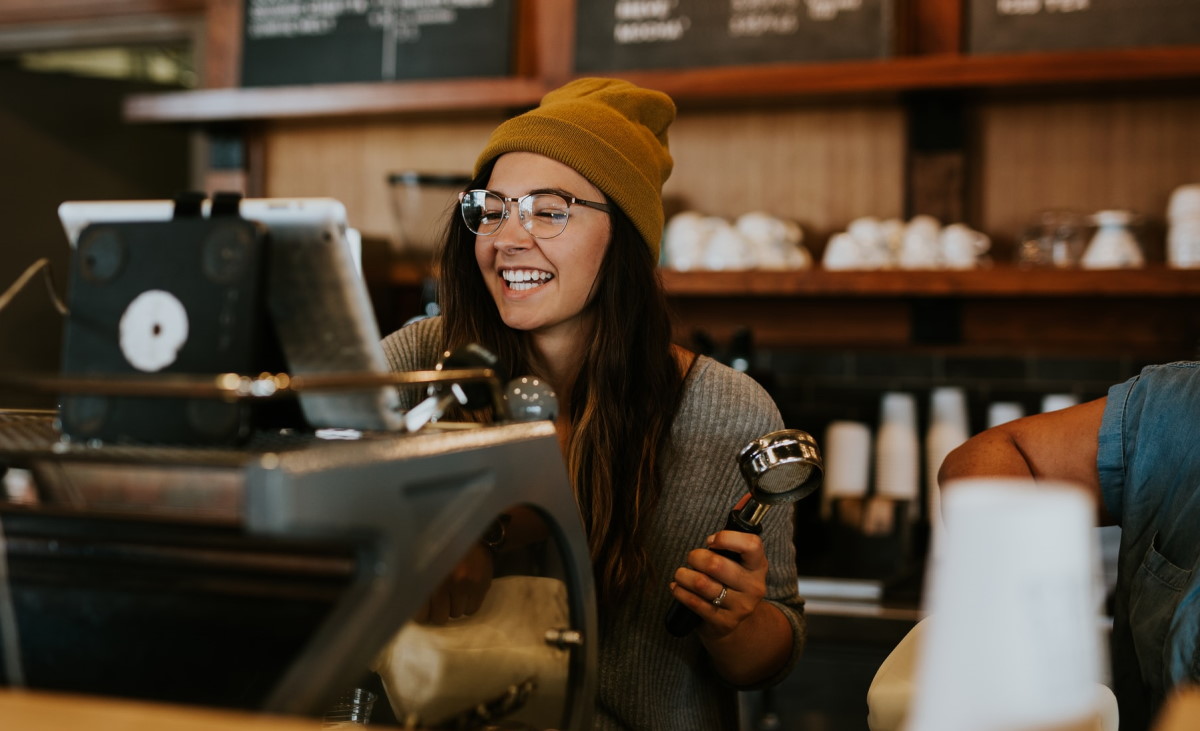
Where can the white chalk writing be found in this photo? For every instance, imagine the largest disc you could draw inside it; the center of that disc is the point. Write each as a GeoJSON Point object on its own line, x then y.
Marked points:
{"type": "Point", "coordinates": [1032, 7]}
{"type": "Point", "coordinates": [648, 21]}
{"type": "Point", "coordinates": [400, 19]}
{"type": "Point", "coordinates": [828, 9]}
{"type": "Point", "coordinates": [629, 10]}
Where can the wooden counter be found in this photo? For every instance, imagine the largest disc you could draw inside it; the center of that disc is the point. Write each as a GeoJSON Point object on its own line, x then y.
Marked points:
{"type": "Point", "coordinates": [40, 711]}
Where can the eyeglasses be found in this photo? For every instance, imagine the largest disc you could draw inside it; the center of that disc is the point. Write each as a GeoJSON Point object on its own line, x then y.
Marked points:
{"type": "Point", "coordinates": [544, 215]}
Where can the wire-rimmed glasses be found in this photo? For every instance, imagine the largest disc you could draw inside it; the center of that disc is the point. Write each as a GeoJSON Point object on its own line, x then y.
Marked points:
{"type": "Point", "coordinates": [543, 215]}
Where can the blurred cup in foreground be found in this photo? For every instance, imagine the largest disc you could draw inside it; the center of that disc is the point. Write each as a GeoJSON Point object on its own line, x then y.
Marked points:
{"type": "Point", "coordinates": [1013, 639]}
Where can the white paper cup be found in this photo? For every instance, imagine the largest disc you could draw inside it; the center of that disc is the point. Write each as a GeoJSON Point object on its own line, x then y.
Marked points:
{"type": "Point", "coordinates": [1002, 412]}
{"type": "Point", "coordinates": [897, 448]}
{"type": "Point", "coordinates": [847, 459]}
{"type": "Point", "coordinates": [1013, 640]}
{"type": "Point", "coordinates": [948, 428]}
{"type": "Point", "coordinates": [1056, 401]}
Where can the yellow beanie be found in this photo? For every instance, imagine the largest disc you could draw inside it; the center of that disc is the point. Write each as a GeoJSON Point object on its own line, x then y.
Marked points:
{"type": "Point", "coordinates": [609, 131]}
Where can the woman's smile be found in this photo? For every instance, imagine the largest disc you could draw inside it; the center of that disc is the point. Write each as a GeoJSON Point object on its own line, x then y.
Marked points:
{"type": "Point", "coordinates": [523, 280]}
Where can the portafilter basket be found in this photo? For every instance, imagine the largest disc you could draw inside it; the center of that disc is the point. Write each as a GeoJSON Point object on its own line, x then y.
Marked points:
{"type": "Point", "coordinates": [781, 467]}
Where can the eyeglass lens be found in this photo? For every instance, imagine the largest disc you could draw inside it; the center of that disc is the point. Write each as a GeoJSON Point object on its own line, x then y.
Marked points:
{"type": "Point", "coordinates": [542, 214]}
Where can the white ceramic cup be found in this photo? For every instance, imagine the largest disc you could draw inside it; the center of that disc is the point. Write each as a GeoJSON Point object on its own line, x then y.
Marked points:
{"type": "Point", "coordinates": [1113, 246]}
{"type": "Point", "coordinates": [727, 248]}
{"type": "Point", "coordinates": [962, 246]}
{"type": "Point", "coordinates": [920, 247]}
{"type": "Point", "coordinates": [684, 240]}
{"type": "Point", "coordinates": [842, 253]}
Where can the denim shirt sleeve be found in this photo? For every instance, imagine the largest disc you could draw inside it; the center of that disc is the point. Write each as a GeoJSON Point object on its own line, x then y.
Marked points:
{"type": "Point", "coordinates": [1148, 460]}
{"type": "Point", "coordinates": [1146, 453]}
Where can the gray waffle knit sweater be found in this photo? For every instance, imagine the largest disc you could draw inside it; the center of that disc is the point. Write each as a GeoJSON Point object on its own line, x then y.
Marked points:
{"type": "Point", "coordinates": [647, 678]}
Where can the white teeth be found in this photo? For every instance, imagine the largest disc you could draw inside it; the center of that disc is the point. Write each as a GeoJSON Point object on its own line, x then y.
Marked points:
{"type": "Point", "coordinates": [522, 279]}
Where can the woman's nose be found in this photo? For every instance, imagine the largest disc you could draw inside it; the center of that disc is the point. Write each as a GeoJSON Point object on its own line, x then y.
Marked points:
{"type": "Point", "coordinates": [512, 235]}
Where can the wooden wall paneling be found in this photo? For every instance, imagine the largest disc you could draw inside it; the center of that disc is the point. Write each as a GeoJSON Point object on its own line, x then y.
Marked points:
{"type": "Point", "coordinates": [1086, 154]}
{"type": "Point", "coordinates": [931, 26]}
{"type": "Point", "coordinates": [222, 52]}
{"type": "Point", "coordinates": [820, 166]}
{"type": "Point", "coordinates": [16, 12]}
{"type": "Point", "coordinates": [546, 40]}
{"type": "Point", "coordinates": [351, 159]}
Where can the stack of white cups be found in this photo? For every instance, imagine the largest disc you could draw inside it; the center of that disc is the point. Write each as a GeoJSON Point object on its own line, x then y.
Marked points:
{"type": "Point", "coordinates": [1002, 412]}
{"type": "Point", "coordinates": [948, 428]}
{"type": "Point", "coordinates": [847, 463]}
{"type": "Point", "coordinates": [1057, 401]}
{"type": "Point", "coordinates": [897, 461]}
{"type": "Point", "coordinates": [1013, 639]}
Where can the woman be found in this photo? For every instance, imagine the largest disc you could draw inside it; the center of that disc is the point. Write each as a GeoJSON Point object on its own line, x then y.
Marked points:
{"type": "Point", "coordinates": [549, 263]}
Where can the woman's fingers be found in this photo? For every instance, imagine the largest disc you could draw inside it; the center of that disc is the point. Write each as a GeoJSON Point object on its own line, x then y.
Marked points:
{"type": "Point", "coordinates": [723, 591]}
{"type": "Point", "coordinates": [749, 547]}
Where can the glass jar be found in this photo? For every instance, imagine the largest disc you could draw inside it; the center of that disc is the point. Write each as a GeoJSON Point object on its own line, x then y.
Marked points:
{"type": "Point", "coordinates": [1056, 241]}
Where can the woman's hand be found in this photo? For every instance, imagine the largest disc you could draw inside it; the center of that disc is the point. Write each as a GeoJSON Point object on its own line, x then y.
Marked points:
{"type": "Point", "coordinates": [709, 576]}
{"type": "Point", "coordinates": [462, 592]}
{"type": "Point", "coordinates": [747, 638]}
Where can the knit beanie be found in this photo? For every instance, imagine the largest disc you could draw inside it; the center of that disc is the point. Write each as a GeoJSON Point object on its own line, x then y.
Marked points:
{"type": "Point", "coordinates": [611, 132]}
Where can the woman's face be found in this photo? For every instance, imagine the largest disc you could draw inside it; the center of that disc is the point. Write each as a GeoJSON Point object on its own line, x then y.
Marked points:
{"type": "Point", "coordinates": [543, 285]}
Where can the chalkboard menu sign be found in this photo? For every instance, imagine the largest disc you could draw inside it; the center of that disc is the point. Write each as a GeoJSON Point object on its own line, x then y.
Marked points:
{"type": "Point", "coordinates": [1013, 26]}
{"type": "Point", "coordinates": [613, 35]}
{"type": "Point", "coordinates": [332, 41]}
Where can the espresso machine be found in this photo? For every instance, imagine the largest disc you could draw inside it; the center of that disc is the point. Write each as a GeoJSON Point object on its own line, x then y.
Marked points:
{"type": "Point", "coordinates": [267, 576]}
{"type": "Point", "coordinates": [184, 533]}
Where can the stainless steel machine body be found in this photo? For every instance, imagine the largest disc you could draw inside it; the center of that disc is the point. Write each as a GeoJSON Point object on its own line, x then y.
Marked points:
{"type": "Point", "coordinates": [387, 517]}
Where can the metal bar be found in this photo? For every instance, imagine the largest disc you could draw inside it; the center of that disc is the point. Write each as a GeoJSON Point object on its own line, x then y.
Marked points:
{"type": "Point", "coordinates": [234, 386]}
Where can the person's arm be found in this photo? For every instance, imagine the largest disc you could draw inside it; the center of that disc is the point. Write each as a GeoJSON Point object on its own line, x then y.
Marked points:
{"type": "Point", "coordinates": [747, 638]}
{"type": "Point", "coordinates": [1059, 445]}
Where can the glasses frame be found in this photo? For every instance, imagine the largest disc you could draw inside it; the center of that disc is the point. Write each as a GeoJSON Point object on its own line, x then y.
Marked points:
{"type": "Point", "coordinates": [519, 200]}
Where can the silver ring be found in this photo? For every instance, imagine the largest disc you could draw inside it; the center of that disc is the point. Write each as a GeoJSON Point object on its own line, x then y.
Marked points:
{"type": "Point", "coordinates": [720, 597]}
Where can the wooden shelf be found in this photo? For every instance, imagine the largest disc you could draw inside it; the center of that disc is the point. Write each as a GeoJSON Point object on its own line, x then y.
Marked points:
{"type": "Point", "coordinates": [333, 100]}
{"type": "Point", "coordinates": [1001, 310]}
{"type": "Point", "coordinates": [940, 71]}
{"type": "Point", "coordinates": [768, 81]}
{"type": "Point", "coordinates": [998, 282]}
{"type": "Point", "coordinates": [1153, 282]}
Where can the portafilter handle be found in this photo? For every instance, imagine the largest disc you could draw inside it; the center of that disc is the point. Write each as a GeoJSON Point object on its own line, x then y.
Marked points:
{"type": "Point", "coordinates": [781, 467]}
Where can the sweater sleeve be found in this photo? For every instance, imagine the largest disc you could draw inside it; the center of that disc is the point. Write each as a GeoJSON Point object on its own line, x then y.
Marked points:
{"type": "Point", "coordinates": [413, 347]}
{"type": "Point", "coordinates": [724, 411]}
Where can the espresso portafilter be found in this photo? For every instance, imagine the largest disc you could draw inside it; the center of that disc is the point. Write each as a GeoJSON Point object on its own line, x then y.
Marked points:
{"type": "Point", "coordinates": [781, 467]}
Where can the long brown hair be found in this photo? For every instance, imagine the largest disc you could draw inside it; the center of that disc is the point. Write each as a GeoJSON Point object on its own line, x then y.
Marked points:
{"type": "Point", "coordinates": [623, 401]}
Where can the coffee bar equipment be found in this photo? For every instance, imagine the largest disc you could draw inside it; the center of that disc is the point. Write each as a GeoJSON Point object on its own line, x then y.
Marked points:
{"type": "Point", "coordinates": [265, 576]}
{"type": "Point", "coordinates": [264, 564]}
